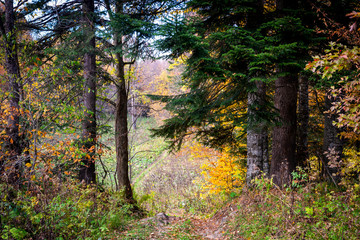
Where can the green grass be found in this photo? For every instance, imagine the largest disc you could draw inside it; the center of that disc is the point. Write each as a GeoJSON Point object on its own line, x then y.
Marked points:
{"type": "Point", "coordinates": [143, 150]}
{"type": "Point", "coordinates": [162, 181]}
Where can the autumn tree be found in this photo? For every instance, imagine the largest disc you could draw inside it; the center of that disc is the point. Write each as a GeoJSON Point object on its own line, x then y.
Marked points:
{"type": "Point", "coordinates": [8, 33]}
{"type": "Point", "coordinates": [334, 19]}
{"type": "Point", "coordinates": [31, 59]}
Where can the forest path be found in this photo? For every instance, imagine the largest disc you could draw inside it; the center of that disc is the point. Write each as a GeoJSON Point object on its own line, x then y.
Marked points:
{"type": "Point", "coordinates": [187, 228]}
{"type": "Point", "coordinates": [191, 227]}
{"type": "Point", "coordinates": [208, 228]}
{"type": "Point", "coordinates": [215, 227]}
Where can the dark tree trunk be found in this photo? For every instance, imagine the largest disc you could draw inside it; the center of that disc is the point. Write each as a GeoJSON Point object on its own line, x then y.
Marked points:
{"type": "Point", "coordinates": [302, 151]}
{"type": "Point", "coordinates": [333, 145]}
{"type": "Point", "coordinates": [257, 136]}
{"type": "Point", "coordinates": [134, 112]}
{"type": "Point", "coordinates": [121, 122]}
{"type": "Point", "coordinates": [87, 168]}
{"type": "Point", "coordinates": [283, 160]}
{"type": "Point", "coordinates": [13, 78]}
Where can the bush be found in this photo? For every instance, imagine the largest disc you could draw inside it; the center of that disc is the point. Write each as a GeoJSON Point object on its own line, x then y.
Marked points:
{"type": "Point", "coordinates": [74, 212]}
{"type": "Point", "coordinates": [305, 211]}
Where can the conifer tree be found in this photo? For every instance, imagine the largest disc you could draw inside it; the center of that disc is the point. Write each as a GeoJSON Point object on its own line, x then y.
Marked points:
{"type": "Point", "coordinates": [257, 130]}
{"type": "Point", "coordinates": [237, 48]}
{"type": "Point", "coordinates": [224, 70]}
{"type": "Point", "coordinates": [292, 43]}
{"type": "Point", "coordinates": [87, 168]}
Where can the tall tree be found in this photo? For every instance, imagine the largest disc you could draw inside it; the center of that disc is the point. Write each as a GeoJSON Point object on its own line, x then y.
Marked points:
{"type": "Point", "coordinates": [335, 17]}
{"type": "Point", "coordinates": [248, 44]}
{"type": "Point", "coordinates": [87, 167]}
{"type": "Point", "coordinates": [257, 132]}
{"type": "Point", "coordinates": [15, 29]}
{"type": "Point", "coordinates": [295, 37]}
{"type": "Point", "coordinates": [121, 114]}
{"type": "Point", "coordinates": [8, 33]}
{"type": "Point", "coordinates": [131, 26]}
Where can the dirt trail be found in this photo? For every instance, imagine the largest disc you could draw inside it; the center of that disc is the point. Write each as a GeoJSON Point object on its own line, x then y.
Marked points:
{"type": "Point", "coordinates": [215, 227]}
{"type": "Point", "coordinates": [208, 229]}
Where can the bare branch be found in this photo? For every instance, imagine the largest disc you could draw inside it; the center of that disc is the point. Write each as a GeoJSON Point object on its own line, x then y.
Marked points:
{"type": "Point", "coordinates": [105, 99]}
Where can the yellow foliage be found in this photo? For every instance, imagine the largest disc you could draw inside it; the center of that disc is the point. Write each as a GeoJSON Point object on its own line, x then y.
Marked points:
{"type": "Point", "coordinates": [225, 174]}
{"type": "Point", "coordinates": [221, 170]}
{"type": "Point", "coordinates": [350, 170]}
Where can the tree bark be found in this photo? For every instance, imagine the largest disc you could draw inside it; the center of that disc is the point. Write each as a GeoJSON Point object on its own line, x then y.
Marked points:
{"type": "Point", "coordinates": [257, 136]}
{"type": "Point", "coordinates": [121, 121]}
{"type": "Point", "coordinates": [87, 168]}
{"type": "Point", "coordinates": [332, 143]}
{"type": "Point", "coordinates": [302, 151]}
{"type": "Point", "coordinates": [257, 133]}
{"type": "Point", "coordinates": [283, 160]}
{"type": "Point", "coordinates": [13, 78]}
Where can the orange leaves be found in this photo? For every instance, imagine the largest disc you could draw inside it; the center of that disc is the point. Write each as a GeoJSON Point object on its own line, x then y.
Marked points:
{"type": "Point", "coordinates": [337, 59]}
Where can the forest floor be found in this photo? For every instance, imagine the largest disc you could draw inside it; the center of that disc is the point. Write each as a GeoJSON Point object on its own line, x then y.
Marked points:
{"type": "Point", "coordinates": [191, 228]}
{"type": "Point", "coordinates": [194, 227]}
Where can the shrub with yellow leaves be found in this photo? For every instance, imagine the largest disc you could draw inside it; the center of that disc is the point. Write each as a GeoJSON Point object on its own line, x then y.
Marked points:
{"type": "Point", "coordinates": [222, 171]}
{"type": "Point", "coordinates": [225, 174]}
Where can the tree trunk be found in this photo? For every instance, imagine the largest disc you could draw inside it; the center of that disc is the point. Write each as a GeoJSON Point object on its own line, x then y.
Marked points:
{"type": "Point", "coordinates": [332, 145]}
{"type": "Point", "coordinates": [13, 78]}
{"type": "Point", "coordinates": [134, 112]}
{"type": "Point", "coordinates": [121, 121]}
{"type": "Point", "coordinates": [257, 136]}
{"type": "Point", "coordinates": [302, 151]}
{"type": "Point", "coordinates": [283, 160]}
{"type": "Point", "coordinates": [87, 168]}
{"type": "Point", "coordinates": [257, 133]}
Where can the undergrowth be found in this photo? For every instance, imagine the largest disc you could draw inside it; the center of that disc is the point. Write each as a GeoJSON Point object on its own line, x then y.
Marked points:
{"type": "Point", "coordinates": [182, 230]}
{"type": "Point", "coordinates": [304, 211]}
{"type": "Point", "coordinates": [67, 211]}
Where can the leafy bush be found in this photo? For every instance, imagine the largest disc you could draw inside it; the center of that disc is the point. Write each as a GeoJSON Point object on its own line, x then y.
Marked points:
{"type": "Point", "coordinates": [75, 212]}
{"type": "Point", "coordinates": [305, 211]}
